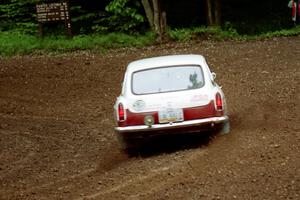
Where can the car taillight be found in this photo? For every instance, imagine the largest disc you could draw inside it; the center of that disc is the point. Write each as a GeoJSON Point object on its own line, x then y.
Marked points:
{"type": "Point", "coordinates": [219, 102]}
{"type": "Point", "coordinates": [121, 112]}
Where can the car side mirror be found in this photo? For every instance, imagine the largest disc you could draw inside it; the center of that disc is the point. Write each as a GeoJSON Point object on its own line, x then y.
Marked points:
{"type": "Point", "coordinates": [214, 75]}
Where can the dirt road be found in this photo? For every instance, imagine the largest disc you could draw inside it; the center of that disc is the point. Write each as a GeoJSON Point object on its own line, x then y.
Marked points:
{"type": "Point", "coordinates": [57, 139]}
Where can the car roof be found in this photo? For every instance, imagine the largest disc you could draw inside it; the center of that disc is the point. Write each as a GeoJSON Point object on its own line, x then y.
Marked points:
{"type": "Point", "coordinates": [161, 61]}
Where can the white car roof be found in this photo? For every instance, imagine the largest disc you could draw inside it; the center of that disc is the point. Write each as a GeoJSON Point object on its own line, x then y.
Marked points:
{"type": "Point", "coordinates": [166, 61]}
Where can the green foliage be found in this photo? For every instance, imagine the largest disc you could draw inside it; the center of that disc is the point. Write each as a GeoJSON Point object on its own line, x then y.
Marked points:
{"type": "Point", "coordinates": [18, 15]}
{"type": "Point", "coordinates": [253, 17]}
{"type": "Point", "coordinates": [108, 16]}
{"type": "Point", "coordinates": [285, 33]}
{"type": "Point", "coordinates": [16, 43]}
{"type": "Point", "coordinates": [183, 34]}
{"type": "Point", "coordinates": [124, 17]}
{"type": "Point", "coordinates": [187, 34]}
{"type": "Point", "coordinates": [83, 20]}
{"type": "Point", "coordinates": [89, 16]}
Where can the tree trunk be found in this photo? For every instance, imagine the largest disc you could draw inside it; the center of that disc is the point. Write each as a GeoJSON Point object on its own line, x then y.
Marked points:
{"type": "Point", "coordinates": [163, 25]}
{"type": "Point", "coordinates": [213, 12]}
{"type": "Point", "coordinates": [149, 12]}
{"type": "Point", "coordinates": [210, 20]}
{"type": "Point", "coordinates": [156, 18]}
{"type": "Point", "coordinates": [218, 12]}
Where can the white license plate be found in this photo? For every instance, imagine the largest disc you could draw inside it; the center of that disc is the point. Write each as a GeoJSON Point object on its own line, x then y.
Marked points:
{"type": "Point", "coordinates": [170, 115]}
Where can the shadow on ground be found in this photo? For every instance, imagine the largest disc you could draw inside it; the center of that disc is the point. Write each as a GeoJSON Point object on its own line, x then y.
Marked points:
{"type": "Point", "coordinates": [170, 143]}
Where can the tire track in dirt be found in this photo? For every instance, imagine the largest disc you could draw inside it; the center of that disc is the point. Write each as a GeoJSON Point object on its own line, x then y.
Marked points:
{"type": "Point", "coordinates": [39, 143]}
{"type": "Point", "coordinates": [24, 156]}
{"type": "Point", "coordinates": [69, 121]}
{"type": "Point", "coordinates": [32, 117]}
{"type": "Point", "coordinates": [141, 179]}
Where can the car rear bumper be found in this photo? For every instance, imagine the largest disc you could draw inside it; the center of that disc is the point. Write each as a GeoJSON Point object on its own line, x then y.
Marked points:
{"type": "Point", "coordinates": [175, 125]}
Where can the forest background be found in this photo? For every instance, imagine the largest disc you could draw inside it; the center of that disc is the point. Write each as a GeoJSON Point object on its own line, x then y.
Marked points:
{"type": "Point", "coordinates": [117, 23]}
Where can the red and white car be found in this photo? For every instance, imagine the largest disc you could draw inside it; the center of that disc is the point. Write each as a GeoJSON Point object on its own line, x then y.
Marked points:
{"type": "Point", "coordinates": [169, 94]}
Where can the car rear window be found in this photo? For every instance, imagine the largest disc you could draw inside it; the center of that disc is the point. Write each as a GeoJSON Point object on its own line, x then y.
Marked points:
{"type": "Point", "coordinates": [167, 79]}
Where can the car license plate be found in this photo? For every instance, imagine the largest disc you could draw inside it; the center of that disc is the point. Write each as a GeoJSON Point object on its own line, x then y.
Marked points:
{"type": "Point", "coordinates": [170, 115]}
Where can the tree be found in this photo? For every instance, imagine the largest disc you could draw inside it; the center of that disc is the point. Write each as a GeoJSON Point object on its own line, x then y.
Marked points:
{"type": "Point", "coordinates": [156, 17]}
{"type": "Point", "coordinates": [213, 12]}
{"type": "Point", "coordinates": [124, 16]}
{"type": "Point", "coordinates": [218, 12]}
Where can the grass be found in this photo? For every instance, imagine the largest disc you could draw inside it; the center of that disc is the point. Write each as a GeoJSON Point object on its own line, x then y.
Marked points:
{"type": "Point", "coordinates": [218, 33]}
{"type": "Point", "coordinates": [16, 43]}
{"type": "Point", "coordinates": [285, 32]}
{"type": "Point", "coordinates": [187, 34]}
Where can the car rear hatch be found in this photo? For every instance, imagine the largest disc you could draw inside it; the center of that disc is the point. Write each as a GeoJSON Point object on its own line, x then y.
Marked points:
{"type": "Point", "coordinates": [169, 94]}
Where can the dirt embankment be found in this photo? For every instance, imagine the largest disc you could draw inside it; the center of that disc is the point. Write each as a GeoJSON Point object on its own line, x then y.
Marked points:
{"type": "Point", "coordinates": [57, 139]}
